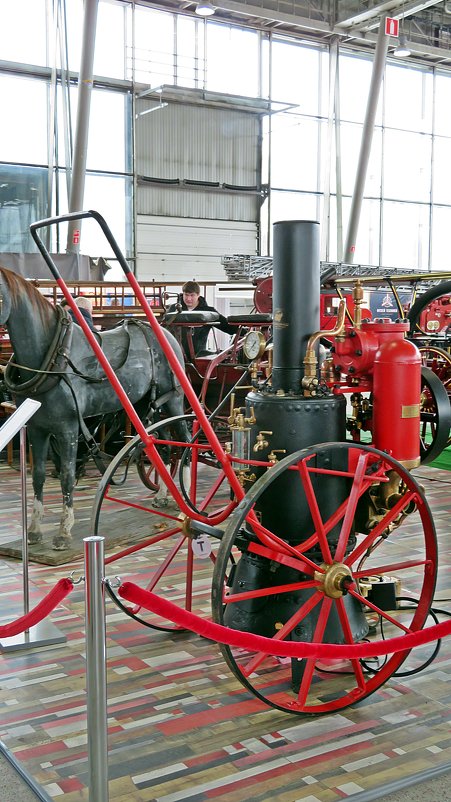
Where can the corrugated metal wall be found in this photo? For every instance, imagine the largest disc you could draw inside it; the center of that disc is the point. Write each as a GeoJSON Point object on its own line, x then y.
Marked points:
{"type": "Point", "coordinates": [175, 249]}
{"type": "Point", "coordinates": [198, 144]}
{"type": "Point", "coordinates": [183, 232]}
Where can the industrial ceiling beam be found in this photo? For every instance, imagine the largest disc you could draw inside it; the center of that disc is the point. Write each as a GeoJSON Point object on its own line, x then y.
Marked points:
{"type": "Point", "coordinates": [369, 19]}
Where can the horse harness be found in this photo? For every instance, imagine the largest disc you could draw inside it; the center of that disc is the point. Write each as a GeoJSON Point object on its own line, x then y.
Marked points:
{"type": "Point", "coordinates": [54, 369]}
{"type": "Point", "coordinates": [54, 364]}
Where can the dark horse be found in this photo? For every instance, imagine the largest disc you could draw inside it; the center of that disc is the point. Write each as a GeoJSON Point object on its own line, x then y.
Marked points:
{"type": "Point", "coordinates": [53, 362]}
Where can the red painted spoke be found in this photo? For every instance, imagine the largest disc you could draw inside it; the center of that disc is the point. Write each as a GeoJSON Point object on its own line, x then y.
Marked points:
{"type": "Point", "coordinates": [264, 592]}
{"type": "Point", "coordinates": [375, 533]}
{"type": "Point", "coordinates": [268, 538]}
{"type": "Point", "coordinates": [167, 561]}
{"type": "Point", "coordinates": [320, 534]}
{"type": "Point", "coordinates": [153, 510]}
{"type": "Point", "coordinates": [214, 489]}
{"type": "Point", "coordinates": [354, 496]}
{"type": "Point", "coordinates": [143, 544]}
{"type": "Point", "coordinates": [387, 569]}
{"type": "Point", "coordinates": [310, 663]}
{"type": "Point", "coordinates": [336, 517]}
{"type": "Point", "coordinates": [306, 608]}
{"type": "Point", "coordinates": [349, 638]}
{"type": "Point", "coordinates": [378, 610]}
{"type": "Point", "coordinates": [300, 563]}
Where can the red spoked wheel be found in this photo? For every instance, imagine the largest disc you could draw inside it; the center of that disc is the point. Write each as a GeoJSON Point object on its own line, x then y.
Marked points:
{"type": "Point", "coordinates": [435, 416]}
{"type": "Point", "coordinates": [151, 523]}
{"type": "Point", "coordinates": [328, 584]}
{"type": "Point", "coordinates": [439, 362]}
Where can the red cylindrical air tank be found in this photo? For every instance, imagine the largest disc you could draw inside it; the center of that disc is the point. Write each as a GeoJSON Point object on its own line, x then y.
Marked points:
{"type": "Point", "coordinates": [396, 401]}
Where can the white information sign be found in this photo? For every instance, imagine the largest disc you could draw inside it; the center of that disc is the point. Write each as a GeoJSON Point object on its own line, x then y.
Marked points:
{"type": "Point", "coordinates": [17, 421]}
{"type": "Point", "coordinates": [201, 546]}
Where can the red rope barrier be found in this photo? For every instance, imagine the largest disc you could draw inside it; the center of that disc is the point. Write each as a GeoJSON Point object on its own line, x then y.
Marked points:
{"type": "Point", "coordinates": [41, 611]}
{"type": "Point", "coordinates": [257, 643]}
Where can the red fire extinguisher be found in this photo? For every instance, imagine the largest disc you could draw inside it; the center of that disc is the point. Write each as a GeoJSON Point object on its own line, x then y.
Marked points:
{"type": "Point", "coordinates": [396, 400]}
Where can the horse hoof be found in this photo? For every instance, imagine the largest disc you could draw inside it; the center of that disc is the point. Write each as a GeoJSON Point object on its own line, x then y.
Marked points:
{"type": "Point", "coordinates": [160, 502]}
{"type": "Point", "coordinates": [61, 543]}
{"type": "Point", "coordinates": [34, 538]}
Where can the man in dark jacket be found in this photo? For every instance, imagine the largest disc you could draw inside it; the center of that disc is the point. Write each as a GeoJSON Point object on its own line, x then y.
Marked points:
{"type": "Point", "coordinates": [192, 301]}
{"type": "Point", "coordinates": [85, 306]}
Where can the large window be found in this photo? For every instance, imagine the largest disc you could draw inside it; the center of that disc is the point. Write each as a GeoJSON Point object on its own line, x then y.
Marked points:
{"type": "Point", "coordinates": [37, 140]}
{"type": "Point", "coordinates": [308, 160]}
{"type": "Point", "coordinates": [406, 202]}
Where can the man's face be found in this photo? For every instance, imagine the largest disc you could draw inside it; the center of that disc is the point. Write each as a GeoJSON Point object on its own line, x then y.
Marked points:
{"type": "Point", "coordinates": [191, 299]}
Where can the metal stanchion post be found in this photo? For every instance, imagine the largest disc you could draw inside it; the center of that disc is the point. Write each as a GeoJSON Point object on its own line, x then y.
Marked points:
{"type": "Point", "coordinates": [44, 633]}
{"type": "Point", "coordinates": [23, 487]}
{"type": "Point", "coordinates": [96, 669]}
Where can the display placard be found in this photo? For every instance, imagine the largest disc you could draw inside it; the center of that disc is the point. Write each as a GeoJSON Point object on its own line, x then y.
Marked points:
{"type": "Point", "coordinates": [17, 420]}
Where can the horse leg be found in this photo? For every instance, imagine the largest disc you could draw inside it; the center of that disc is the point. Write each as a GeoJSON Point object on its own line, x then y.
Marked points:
{"type": "Point", "coordinates": [39, 443]}
{"type": "Point", "coordinates": [68, 453]}
{"type": "Point", "coordinates": [160, 498]}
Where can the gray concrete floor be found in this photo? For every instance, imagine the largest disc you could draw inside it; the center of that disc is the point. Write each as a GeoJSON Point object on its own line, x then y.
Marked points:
{"type": "Point", "coordinates": [13, 786]}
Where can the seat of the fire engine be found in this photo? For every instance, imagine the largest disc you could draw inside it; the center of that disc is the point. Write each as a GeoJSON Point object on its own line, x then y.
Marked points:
{"type": "Point", "coordinates": [187, 318]}
{"type": "Point", "coordinates": [250, 320]}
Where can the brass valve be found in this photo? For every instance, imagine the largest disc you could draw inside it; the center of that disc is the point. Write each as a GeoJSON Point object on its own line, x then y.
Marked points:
{"type": "Point", "coordinates": [237, 418]}
{"type": "Point", "coordinates": [272, 455]}
{"type": "Point", "coordinates": [261, 443]}
{"type": "Point", "coordinates": [357, 297]}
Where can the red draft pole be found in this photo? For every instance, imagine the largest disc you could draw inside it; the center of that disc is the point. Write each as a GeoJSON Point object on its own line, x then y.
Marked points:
{"type": "Point", "coordinates": [177, 368]}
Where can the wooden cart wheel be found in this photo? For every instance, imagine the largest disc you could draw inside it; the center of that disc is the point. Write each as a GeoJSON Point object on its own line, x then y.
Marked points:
{"type": "Point", "coordinates": [154, 526]}
{"type": "Point", "coordinates": [435, 416]}
{"type": "Point", "coordinates": [316, 589]}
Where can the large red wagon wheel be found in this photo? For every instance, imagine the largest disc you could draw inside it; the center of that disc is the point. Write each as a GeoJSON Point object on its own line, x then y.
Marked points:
{"type": "Point", "coordinates": [129, 500]}
{"type": "Point", "coordinates": [315, 588]}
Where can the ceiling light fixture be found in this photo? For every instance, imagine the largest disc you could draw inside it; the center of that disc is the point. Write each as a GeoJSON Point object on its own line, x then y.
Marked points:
{"type": "Point", "coordinates": [402, 49]}
{"type": "Point", "coordinates": [205, 9]}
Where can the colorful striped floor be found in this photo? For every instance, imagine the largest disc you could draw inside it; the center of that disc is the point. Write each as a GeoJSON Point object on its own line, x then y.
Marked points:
{"type": "Point", "coordinates": [181, 727]}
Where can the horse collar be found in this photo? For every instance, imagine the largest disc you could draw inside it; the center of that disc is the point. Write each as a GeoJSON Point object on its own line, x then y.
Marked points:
{"type": "Point", "coordinates": [54, 364]}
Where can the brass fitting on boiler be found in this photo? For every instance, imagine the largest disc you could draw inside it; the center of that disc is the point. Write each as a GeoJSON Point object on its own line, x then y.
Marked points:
{"type": "Point", "coordinates": [260, 442]}
{"type": "Point", "coordinates": [272, 458]}
{"type": "Point", "coordinates": [357, 297]}
{"type": "Point", "coordinates": [237, 418]}
{"type": "Point", "coordinates": [310, 379]}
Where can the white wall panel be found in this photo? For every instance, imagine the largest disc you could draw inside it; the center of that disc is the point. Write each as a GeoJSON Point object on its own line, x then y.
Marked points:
{"type": "Point", "coordinates": [172, 249]}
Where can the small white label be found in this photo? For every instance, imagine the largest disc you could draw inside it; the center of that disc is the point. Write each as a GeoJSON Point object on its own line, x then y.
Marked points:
{"type": "Point", "coordinates": [201, 546]}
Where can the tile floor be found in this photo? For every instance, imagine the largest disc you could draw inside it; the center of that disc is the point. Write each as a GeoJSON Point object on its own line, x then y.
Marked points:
{"type": "Point", "coordinates": [181, 727]}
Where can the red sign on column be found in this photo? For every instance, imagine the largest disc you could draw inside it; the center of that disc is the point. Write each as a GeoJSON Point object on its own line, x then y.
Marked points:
{"type": "Point", "coordinates": [76, 236]}
{"type": "Point", "coordinates": [391, 26]}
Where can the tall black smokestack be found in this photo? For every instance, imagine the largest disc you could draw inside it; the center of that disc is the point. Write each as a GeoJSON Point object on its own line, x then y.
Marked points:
{"type": "Point", "coordinates": [296, 293]}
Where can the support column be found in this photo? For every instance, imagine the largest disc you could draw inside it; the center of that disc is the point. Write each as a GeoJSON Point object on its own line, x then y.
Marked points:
{"type": "Point", "coordinates": [367, 137]}
{"type": "Point", "coordinates": [82, 126]}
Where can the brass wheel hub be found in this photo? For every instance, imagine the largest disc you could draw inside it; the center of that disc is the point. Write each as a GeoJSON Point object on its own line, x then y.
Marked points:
{"type": "Point", "coordinates": [335, 580]}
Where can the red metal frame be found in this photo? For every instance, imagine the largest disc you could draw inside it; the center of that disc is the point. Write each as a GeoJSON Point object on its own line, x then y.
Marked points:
{"type": "Point", "coordinates": [179, 371]}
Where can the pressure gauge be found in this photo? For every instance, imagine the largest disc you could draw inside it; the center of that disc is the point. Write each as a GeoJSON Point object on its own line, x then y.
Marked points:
{"type": "Point", "coordinates": [254, 345]}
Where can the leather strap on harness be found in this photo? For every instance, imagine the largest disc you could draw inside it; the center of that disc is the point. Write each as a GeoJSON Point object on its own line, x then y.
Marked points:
{"type": "Point", "coordinates": [54, 364]}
